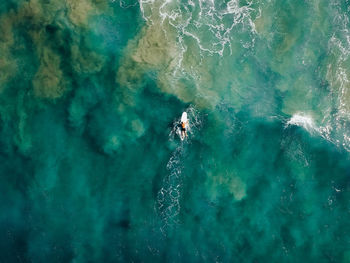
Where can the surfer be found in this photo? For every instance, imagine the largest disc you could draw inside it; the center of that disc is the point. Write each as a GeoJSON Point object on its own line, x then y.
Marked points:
{"type": "Point", "coordinates": [183, 126]}
{"type": "Point", "coordinates": [183, 129]}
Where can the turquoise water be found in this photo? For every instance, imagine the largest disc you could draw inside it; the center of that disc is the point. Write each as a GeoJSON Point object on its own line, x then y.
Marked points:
{"type": "Point", "coordinates": [92, 167]}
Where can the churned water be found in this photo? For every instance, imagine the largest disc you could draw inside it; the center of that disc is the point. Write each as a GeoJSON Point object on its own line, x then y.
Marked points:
{"type": "Point", "coordinates": [92, 168]}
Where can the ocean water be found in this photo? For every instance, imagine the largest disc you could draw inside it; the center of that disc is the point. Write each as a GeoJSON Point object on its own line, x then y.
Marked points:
{"type": "Point", "coordinates": [92, 168]}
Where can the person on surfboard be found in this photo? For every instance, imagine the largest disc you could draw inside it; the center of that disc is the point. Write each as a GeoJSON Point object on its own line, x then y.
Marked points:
{"type": "Point", "coordinates": [184, 123]}
{"type": "Point", "coordinates": [183, 129]}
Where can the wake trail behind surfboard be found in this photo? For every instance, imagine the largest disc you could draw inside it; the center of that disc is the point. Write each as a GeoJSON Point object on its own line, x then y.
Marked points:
{"type": "Point", "coordinates": [168, 197]}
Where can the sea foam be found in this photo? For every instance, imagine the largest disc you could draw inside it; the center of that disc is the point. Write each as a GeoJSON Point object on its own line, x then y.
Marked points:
{"type": "Point", "coordinates": [304, 121]}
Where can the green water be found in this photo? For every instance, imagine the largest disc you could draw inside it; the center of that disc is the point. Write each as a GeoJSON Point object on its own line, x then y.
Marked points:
{"type": "Point", "coordinates": [92, 168]}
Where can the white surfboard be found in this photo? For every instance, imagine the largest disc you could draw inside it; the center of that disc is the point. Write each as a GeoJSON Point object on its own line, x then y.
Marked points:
{"type": "Point", "coordinates": [184, 117]}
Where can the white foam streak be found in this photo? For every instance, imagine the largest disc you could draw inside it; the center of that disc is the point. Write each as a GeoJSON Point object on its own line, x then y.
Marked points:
{"type": "Point", "coordinates": [180, 16]}
{"type": "Point", "coordinates": [335, 135]}
{"type": "Point", "coordinates": [122, 4]}
{"type": "Point", "coordinates": [144, 3]}
{"type": "Point", "coordinates": [337, 77]}
{"type": "Point", "coordinates": [168, 198]}
{"type": "Point", "coordinates": [212, 30]}
{"type": "Point", "coordinates": [304, 121]}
